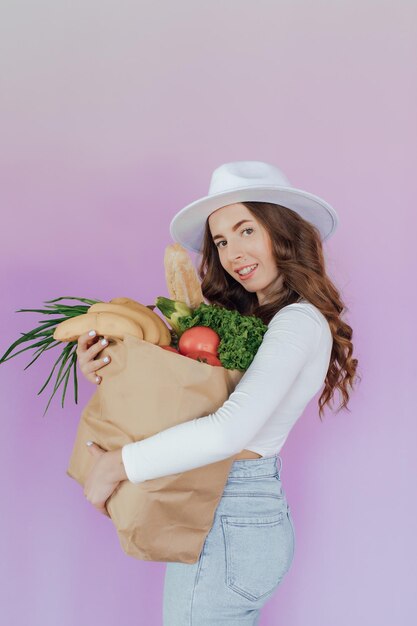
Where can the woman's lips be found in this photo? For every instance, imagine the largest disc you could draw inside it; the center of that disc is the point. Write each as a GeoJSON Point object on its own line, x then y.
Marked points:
{"type": "Point", "coordinates": [245, 276]}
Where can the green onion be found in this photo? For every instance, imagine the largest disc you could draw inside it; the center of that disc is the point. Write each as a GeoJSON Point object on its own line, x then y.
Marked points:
{"type": "Point", "coordinates": [42, 339]}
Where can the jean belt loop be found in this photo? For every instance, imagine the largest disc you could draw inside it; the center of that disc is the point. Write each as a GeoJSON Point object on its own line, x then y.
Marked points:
{"type": "Point", "coordinates": [280, 466]}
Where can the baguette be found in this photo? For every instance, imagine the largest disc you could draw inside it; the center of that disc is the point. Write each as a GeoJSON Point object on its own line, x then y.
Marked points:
{"type": "Point", "coordinates": [181, 277]}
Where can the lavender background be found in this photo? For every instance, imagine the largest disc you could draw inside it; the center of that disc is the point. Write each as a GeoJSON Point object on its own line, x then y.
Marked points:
{"type": "Point", "coordinates": [113, 116]}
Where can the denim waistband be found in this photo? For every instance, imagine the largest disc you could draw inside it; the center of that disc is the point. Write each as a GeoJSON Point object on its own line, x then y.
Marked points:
{"type": "Point", "coordinates": [264, 466]}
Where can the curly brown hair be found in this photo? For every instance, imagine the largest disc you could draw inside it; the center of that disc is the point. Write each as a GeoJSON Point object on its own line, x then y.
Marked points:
{"type": "Point", "coordinates": [297, 248]}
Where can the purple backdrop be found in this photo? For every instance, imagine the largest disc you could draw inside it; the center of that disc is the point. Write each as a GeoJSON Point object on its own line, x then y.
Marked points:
{"type": "Point", "coordinates": [113, 117]}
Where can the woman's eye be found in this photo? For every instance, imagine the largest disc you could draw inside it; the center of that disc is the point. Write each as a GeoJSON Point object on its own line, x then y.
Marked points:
{"type": "Point", "coordinates": [222, 241]}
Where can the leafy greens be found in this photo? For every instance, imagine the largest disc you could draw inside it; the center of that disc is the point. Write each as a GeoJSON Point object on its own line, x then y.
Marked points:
{"type": "Point", "coordinates": [240, 335]}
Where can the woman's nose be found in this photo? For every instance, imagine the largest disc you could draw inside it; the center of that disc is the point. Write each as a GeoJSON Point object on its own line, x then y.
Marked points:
{"type": "Point", "coordinates": [234, 258]}
{"type": "Point", "coordinates": [234, 253]}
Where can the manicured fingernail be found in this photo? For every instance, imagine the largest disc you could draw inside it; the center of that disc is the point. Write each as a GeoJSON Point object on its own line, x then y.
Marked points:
{"type": "Point", "coordinates": [106, 359]}
{"type": "Point", "coordinates": [98, 379]}
{"type": "Point", "coordinates": [92, 333]}
{"type": "Point", "coordinates": [103, 342]}
{"type": "Point", "coordinates": [89, 443]}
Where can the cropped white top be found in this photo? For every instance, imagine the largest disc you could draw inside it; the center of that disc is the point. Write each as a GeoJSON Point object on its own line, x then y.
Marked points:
{"type": "Point", "coordinates": [287, 371]}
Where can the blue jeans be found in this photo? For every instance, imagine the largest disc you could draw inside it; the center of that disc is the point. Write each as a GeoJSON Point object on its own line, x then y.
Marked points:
{"type": "Point", "coordinates": [246, 554]}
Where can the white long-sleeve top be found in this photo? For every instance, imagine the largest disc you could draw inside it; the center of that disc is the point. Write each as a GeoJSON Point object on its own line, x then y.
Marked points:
{"type": "Point", "coordinates": [288, 369]}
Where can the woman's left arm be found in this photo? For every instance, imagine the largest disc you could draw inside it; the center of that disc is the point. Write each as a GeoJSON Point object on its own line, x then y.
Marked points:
{"type": "Point", "coordinates": [291, 341]}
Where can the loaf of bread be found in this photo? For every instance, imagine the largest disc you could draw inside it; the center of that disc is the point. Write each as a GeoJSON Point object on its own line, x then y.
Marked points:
{"type": "Point", "coordinates": [181, 277]}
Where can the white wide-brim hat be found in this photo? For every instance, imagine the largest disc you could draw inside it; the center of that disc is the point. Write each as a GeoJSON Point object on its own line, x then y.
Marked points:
{"type": "Point", "coordinates": [249, 181]}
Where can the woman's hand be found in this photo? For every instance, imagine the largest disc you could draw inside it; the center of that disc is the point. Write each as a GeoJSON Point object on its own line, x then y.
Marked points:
{"type": "Point", "coordinates": [88, 348]}
{"type": "Point", "coordinates": [105, 475]}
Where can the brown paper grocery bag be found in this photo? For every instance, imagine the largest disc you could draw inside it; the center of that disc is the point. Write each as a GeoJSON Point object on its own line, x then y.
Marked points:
{"type": "Point", "coordinates": [146, 389]}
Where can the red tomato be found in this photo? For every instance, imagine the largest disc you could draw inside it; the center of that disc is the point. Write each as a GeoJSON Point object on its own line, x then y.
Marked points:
{"type": "Point", "coordinates": [170, 348]}
{"type": "Point", "coordinates": [204, 357]}
{"type": "Point", "coordinates": [199, 338]}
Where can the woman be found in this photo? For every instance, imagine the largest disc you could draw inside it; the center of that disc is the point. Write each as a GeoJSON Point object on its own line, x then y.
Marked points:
{"type": "Point", "coordinates": [261, 246]}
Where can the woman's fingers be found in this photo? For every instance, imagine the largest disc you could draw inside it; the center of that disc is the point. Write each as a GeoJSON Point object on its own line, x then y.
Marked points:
{"type": "Point", "coordinates": [88, 348]}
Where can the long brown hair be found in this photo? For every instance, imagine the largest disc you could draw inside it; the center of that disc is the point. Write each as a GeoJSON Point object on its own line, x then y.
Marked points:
{"type": "Point", "coordinates": [297, 248]}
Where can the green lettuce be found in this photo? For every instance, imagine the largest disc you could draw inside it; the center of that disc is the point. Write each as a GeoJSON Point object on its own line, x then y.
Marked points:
{"type": "Point", "coordinates": [240, 335]}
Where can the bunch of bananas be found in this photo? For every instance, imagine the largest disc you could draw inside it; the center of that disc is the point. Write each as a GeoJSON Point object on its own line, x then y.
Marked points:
{"type": "Point", "coordinates": [117, 318]}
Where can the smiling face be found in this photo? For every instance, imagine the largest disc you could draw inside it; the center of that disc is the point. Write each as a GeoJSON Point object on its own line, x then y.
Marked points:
{"type": "Point", "coordinates": [245, 244]}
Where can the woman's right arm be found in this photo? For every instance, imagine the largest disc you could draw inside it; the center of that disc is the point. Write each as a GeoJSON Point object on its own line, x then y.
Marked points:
{"type": "Point", "coordinates": [88, 348]}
